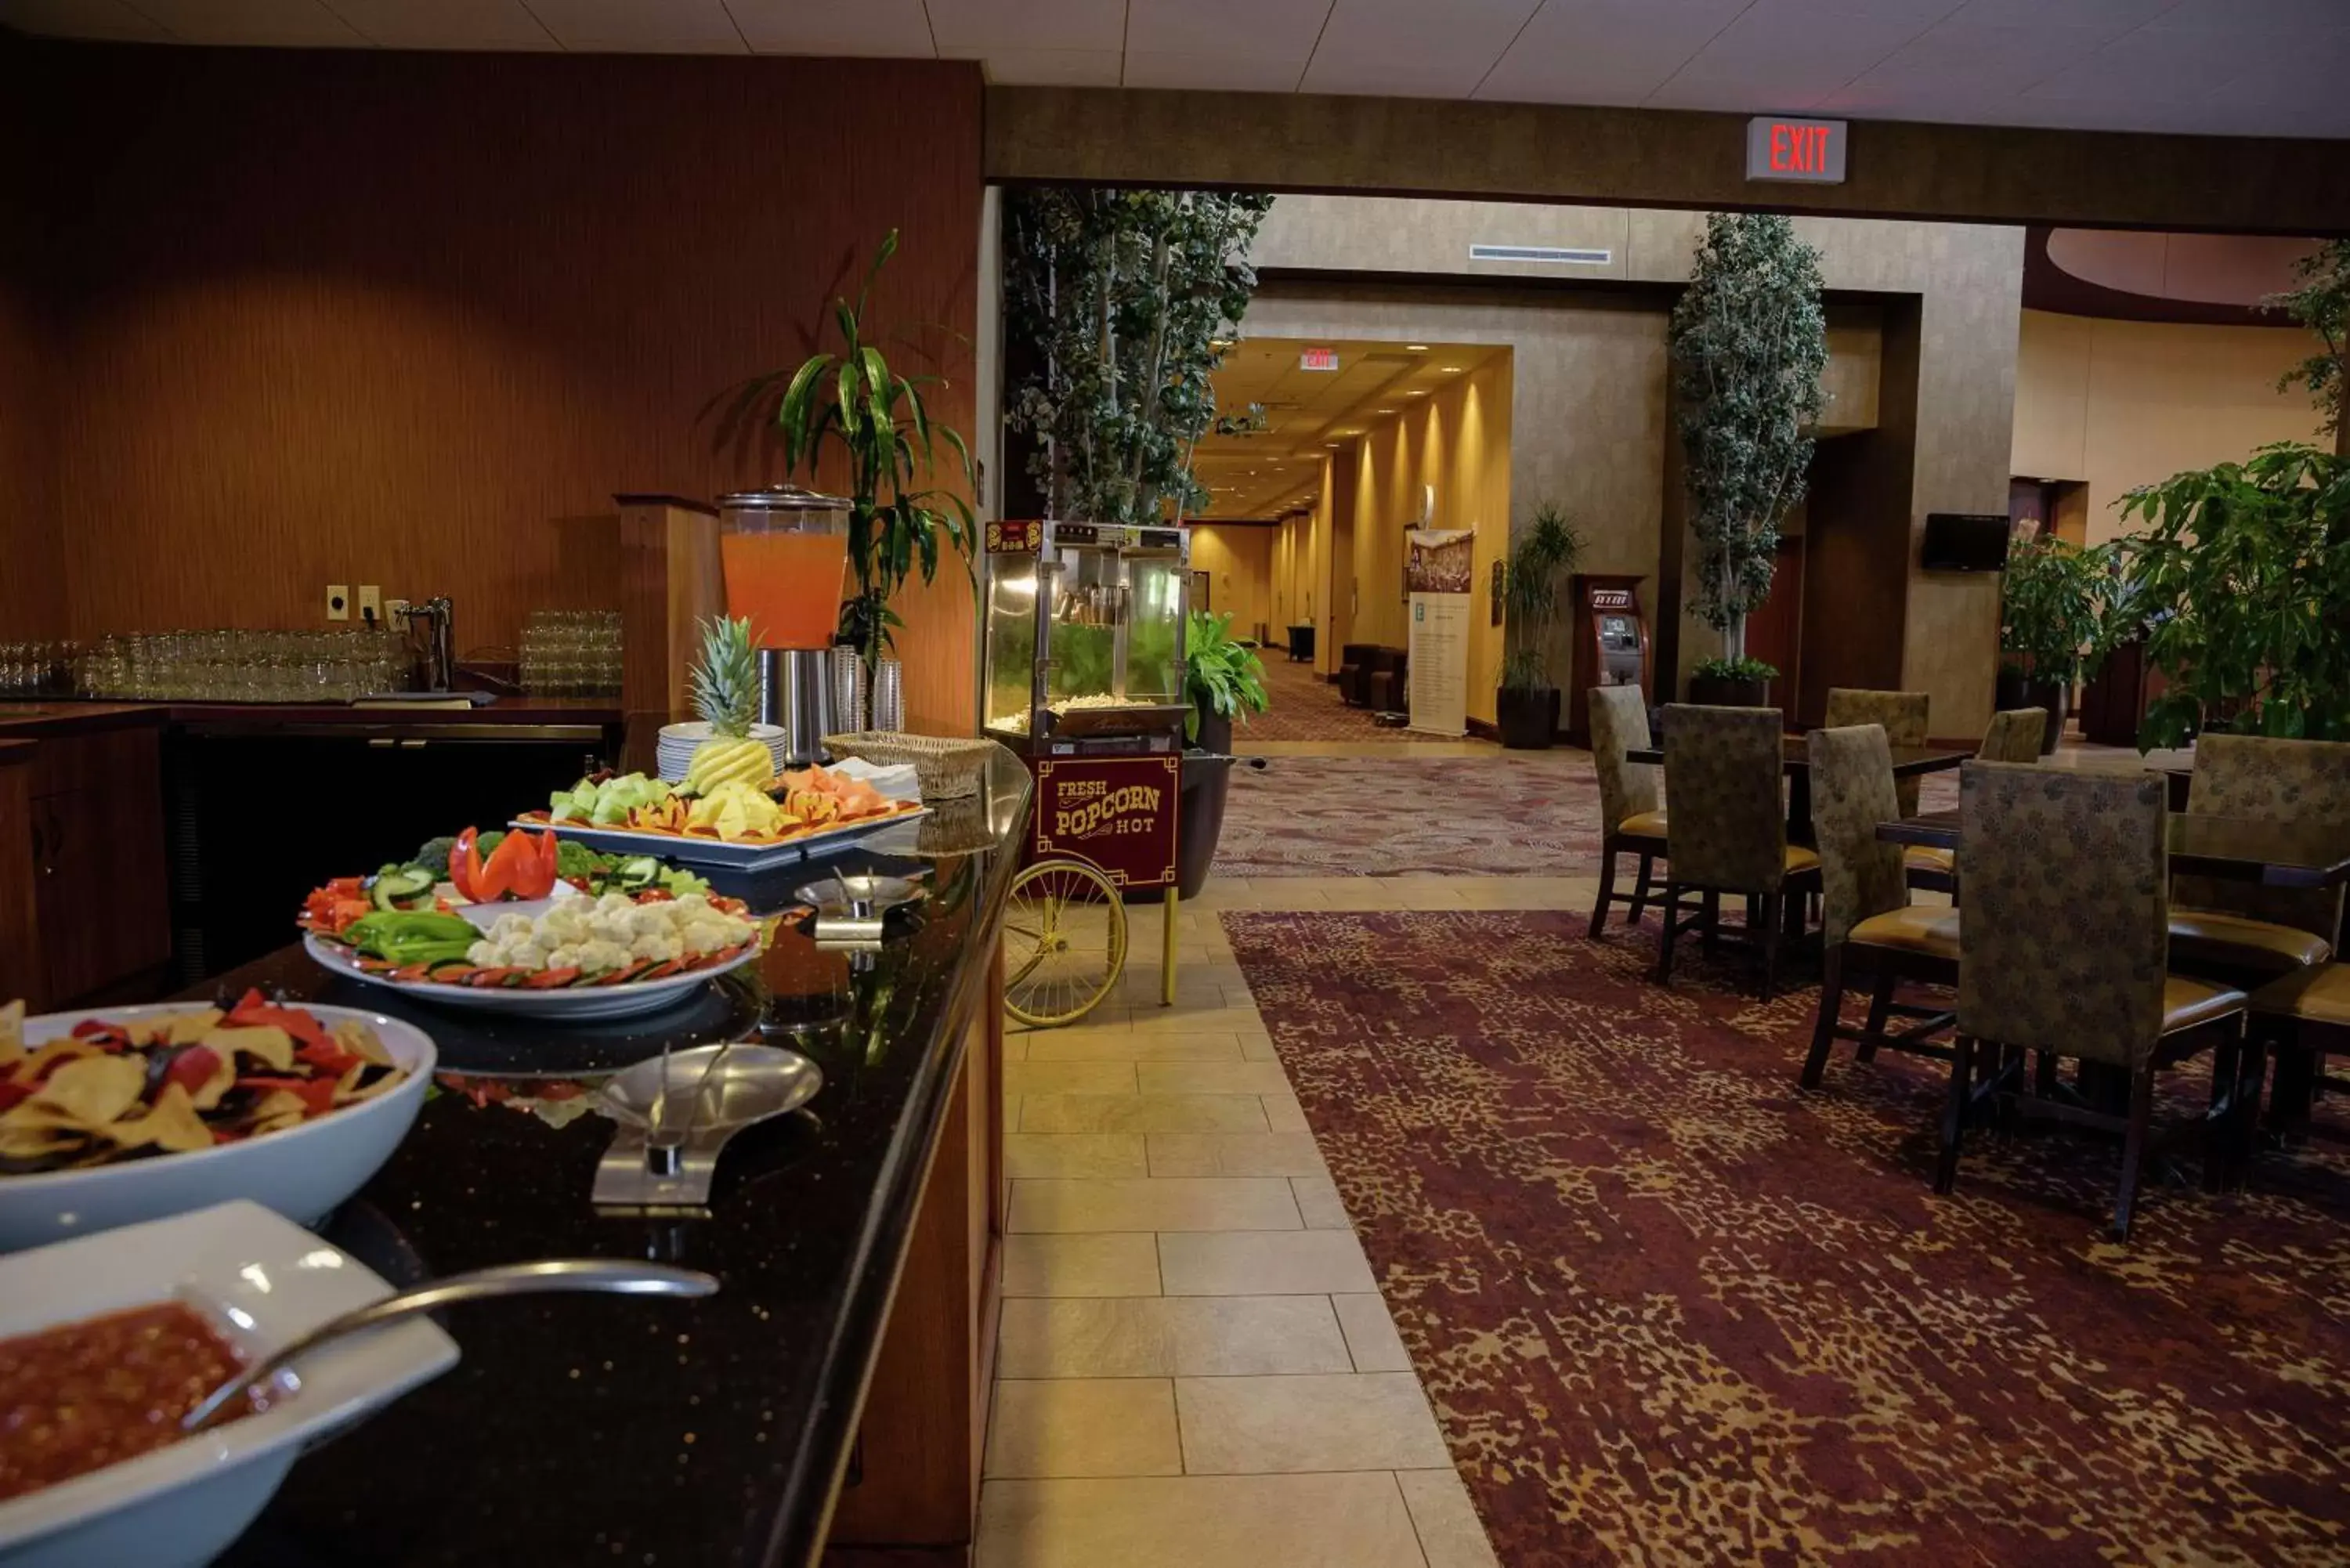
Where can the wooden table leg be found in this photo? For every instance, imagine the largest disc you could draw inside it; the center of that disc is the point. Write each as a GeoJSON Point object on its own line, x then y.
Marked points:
{"type": "Point", "coordinates": [1167, 949]}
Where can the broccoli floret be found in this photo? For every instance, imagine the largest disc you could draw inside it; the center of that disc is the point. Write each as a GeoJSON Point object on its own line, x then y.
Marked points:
{"type": "Point", "coordinates": [434, 856]}
{"type": "Point", "coordinates": [575, 860]}
{"type": "Point", "coordinates": [488, 842]}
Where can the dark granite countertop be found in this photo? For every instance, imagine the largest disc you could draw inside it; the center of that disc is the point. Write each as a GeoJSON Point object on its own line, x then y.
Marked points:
{"type": "Point", "coordinates": [591, 1429]}
{"type": "Point", "coordinates": [68, 716]}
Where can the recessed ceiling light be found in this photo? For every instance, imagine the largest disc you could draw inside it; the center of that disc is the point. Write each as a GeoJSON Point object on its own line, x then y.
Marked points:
{"type": "Point", "coordinates": [1416, 392]}
{"type": "Point", "coordinates": [1415, 348]}
{"type": "Point", "coordinates": [1451, 369]}
{"type": "Point", "coordinates": [1382, 411]}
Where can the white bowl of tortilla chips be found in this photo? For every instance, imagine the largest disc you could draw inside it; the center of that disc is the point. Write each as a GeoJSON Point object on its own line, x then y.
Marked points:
{"type": "Point", "coordinates": [142, 1151]}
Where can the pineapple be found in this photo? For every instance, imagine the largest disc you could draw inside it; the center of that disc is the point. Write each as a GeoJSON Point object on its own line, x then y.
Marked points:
{"type": "Point", "coordinates": [726, 697]}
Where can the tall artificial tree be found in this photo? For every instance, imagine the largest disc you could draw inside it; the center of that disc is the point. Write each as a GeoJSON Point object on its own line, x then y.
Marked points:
{"type": "Point", "coordinates": [1128, 299]}
{"type": "Point", "coordinates": [2321, 302]}
{"type": "Point", "coordinates": [1749, 344]}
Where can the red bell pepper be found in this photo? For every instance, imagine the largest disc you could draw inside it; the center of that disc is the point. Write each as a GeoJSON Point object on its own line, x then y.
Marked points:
{"type": "Point", "coordinates": [327, 1058]}
{"type": "Point", "coordinates": [465, 868]}
{"type": "Point", "coordinates": [317, 1094]}
{"type": "Point", "coordinates": [513, 869]}
{"type": "Point", "coordinates": [192, 1068]}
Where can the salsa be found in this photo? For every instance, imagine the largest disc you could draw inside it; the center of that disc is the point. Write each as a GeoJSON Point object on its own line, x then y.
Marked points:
{"type": "Point", "coordinates": [80, 1395]}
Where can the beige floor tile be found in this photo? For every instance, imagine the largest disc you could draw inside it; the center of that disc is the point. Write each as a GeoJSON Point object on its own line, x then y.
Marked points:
{"type": "Point", "coordinates": [1212, 1078]}
{"type": "Point", "coordinates": [1176, 1205]}
{"type": "Point", "coordinates": [1238, 1263]}
{"type": "Point", "coordinates": [1074, 1427]}
{"type": "Point", "coordinates": [1134, 1045]}
{"type": "Point", "coordinates": [1157, 1337]}
{"type": "Point", "coordinates": [1076, 1154]}
{"type": "Point", "coordinates": [1258, 1048]}
{"type": "Point", "coordinates": [1371, 1337]}
{"type": "Point", "coordinates": [1284, 1114]}
{"type": "Point", "coordinates": [1234, 1154]}
{"type": "Point", "coordinates": [1143, 1112]}
{"type": "Point", "coordinates": [1034, 1077]}
{"type": "Point", "coordinates": [1449, 1532]}
{"type": "Point", "coordinates": [1198, 1522]}
{"type": "Point", "coordinates": [1107, 1264]}
{"type": "Point", "coordinates": [1335, 1421]}
{"type": "Point", "coordinates": [1015, 1045]}
{"type": "Point", "coordinates": [1217, 1019]}
{"type": "Point", "coordinates": [1319, 1203]}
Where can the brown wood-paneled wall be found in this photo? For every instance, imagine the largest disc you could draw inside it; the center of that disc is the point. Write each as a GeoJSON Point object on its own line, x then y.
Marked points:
{"type": "Point", "coordinates": [360, 318]}
{"type": "Point", "coordinates": [30, 606]}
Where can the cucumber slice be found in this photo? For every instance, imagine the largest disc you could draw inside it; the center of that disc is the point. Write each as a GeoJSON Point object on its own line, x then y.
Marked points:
{"type": "Point", "coordinates": [401, 888]}
{"type": "Point", "coordinates": [638, 873]}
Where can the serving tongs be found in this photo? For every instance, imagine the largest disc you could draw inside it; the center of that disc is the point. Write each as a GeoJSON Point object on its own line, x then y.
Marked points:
{"type": "Point", "coordinates": [606, 1276]}
{"type": "Point", "coordinates": [850, 911]}
{"type": "Point", "coordinates": [677, 1112]}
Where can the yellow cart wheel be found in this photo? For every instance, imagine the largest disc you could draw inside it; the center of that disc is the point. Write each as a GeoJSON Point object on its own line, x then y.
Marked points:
{"type": "Point", "coordinates": [1064, 943]}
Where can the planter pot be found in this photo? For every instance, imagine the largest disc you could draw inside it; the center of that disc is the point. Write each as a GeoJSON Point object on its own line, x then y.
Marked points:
{"type": "Point", "coordinates": [2016, 689]}
{"type": "Point", "coordinates": [1528, 717]}
{"type": "Point", "coordinates": [1722, 691]}
{"type": "Point", "coordinates": [1200, 822]}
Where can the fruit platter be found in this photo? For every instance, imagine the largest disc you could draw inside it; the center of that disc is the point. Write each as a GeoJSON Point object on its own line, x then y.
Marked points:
{"type": "Point", "coordinates": [524, 922]}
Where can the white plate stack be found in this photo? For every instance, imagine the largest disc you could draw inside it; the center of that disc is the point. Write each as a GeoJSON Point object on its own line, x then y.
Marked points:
{"type": "Point", "coordinates": [673, 753]}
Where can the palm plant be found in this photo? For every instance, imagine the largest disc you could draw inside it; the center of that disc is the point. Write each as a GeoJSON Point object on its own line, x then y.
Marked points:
{"type": "Point", "coordinates": [876, 418]}
{"type": "Point", "coordinates": [1222, 674]}
{"type": "Point", "coordinates": [1540, 562]}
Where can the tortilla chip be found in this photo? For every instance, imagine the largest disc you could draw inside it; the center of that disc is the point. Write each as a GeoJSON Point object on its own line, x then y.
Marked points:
{"type": "Point", "coordinates": [208, 1093]}
{"type": "Point", "coordinates": [21, 1140]}
{"type": "Point", "coordinates": [278, 1108]}
{"type": "Point", "coordinates": [346, 1094]}
{"type": "Point", "coordinates": [172, 1124]}
{"type": "Point", "coordinates": [360, 1040]}
{"type": "Point", "coordinates": [92, 1091]}
{"type": "Point", "coordinates": [12, 1034]}
{"type": "Point", "coordinates": [265, 1041]}
{"type": "Point", "coordinates": [37, 1061]}
{"type": "Point", "coordinates": [190, 1028]}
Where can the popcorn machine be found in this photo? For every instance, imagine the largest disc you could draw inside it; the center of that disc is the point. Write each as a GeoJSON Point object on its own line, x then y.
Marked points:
{"type": "Point", "coordinates": [1084, 637]}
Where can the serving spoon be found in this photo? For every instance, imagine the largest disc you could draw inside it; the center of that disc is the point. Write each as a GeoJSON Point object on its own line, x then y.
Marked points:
{"type": "Point", "coordinates": [608, 1276]}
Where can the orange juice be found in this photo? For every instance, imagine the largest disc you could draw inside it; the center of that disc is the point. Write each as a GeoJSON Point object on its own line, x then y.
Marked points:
{"type": "Point", "coordinates": [788, 582]}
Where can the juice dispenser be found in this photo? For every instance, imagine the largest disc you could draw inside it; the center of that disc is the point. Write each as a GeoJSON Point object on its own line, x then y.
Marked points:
{"type": "Point", "coordinates": [785, 553]}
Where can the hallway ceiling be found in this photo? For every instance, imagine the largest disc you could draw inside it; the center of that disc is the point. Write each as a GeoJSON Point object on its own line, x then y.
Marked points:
{"type": "Point", "coordinates": [1309, 412]}
{"type": "Point", "coordinates": [2238, 67]}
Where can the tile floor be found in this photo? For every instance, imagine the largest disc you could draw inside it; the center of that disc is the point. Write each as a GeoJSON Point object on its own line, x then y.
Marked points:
{"type": "Point", "coordinates": [1195, 1367]}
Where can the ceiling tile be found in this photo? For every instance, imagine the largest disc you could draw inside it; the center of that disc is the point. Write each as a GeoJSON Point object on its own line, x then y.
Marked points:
{"type": "Point", "coordinates": [1956, 60]}
{"type": "Point", "coordinates": [1042, 68]}
{"type": "Point", "coordinates": [444, 24]}
{"type": "Point", "coordinates": [1413, 48]}
{"type": "Point", "coordinates": [270, 23]}
{"type": "Point", "coordinates": [894, 27]}
{"type": "Point", "coordinates": [1233, 28]}
{"type": "Point", "coordinates": [1785, 55]}
{"type": "Point", "coordinates": [1267, 72]}
{"type": "Point", "coordinates": [2136, 66]}
{"type": "Point", "coordinates": [654, 27]}
{"type": "Point", "coordinates": [2117, 15]}
{"type": "Point", "coordinates": [109, 19]}
{"type": "Point", "coordinates": [2253, 15]}
{"type": "Point", "coordinates": [1605, 51]}
{"type": "Point", "coordinates": [985, 26]}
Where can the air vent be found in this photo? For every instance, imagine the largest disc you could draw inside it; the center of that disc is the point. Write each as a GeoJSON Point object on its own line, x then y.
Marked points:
{"type": "Point", "coordinates": [1553, 255]}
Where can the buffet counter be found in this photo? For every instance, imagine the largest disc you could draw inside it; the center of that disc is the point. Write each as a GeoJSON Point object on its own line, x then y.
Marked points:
{"type": "Point", "coordinates": [832, 1390]}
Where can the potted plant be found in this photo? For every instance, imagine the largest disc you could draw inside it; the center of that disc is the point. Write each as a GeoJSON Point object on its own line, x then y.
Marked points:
{"type": "Point", "coordinates": [1749, 344]}
{"type": "Point", "coordinates": [1743, 681]}
{"type": "Point", "coordinates": [1527, 706]}
{"type": "Point", "coordinates": [2242, 575]}
{"type": "Point", "coordinates": [2322, 303]}
{"type": "Point", "coordinates": [876, 418]}
{"type": "Point", "coordinates": [2053, 626]}
{"type": "Point", "coordinates": [1224, 679]}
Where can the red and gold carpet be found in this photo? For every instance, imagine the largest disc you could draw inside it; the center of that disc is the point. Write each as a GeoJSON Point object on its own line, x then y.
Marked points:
{"type": "Point", "coordinates": [1673, 1309]}
{"type": "Point", "coordinates": [1513, 814]}
{"type": "Point", "coordinates": [1304, 707]}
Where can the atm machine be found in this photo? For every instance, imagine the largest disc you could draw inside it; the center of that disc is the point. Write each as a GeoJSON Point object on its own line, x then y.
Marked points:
{"type": "Point", "coordinates": [1611, 646]}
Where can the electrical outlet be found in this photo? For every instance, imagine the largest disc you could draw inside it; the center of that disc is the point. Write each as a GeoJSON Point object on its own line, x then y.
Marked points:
{"type": "Point", "coordinates": [370, 604]}
{"type": "Point", "coordinates": [338, 601]}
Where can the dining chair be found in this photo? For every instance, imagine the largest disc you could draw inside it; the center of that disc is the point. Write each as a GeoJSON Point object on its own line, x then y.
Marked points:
{"type": "Point", "coordinates": [1727, 831]}
{"type": "Point", "coordinates": [2064, 952]}
{"type": "Point", "coordinates": [1629, 820]}
{"type": "Point", "coordinates": [2013, 736]}
{"type": "Point", "coordinates": [2301, 1017]}
{"type": "Point", "coordinates": [1902, 714]}
{"type": "Point", "coordinates": [2241, 932]}
{"type": "Point", "coordinates": [1871, 928]}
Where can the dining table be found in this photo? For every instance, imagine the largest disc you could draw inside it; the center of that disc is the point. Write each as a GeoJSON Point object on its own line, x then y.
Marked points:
{"type": "Point", "coordinates": [1795, 763]}
{"type": "Point", "coordinates": [2201, 844]}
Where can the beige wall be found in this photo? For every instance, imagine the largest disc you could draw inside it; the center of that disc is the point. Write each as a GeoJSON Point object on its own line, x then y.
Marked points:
{"type": "Point", "coordinates": [2118, 404]}
{"type": "Point", "coordinates": [1588, 411]}
{"type": "Point", "coordinates": [1239, 563]}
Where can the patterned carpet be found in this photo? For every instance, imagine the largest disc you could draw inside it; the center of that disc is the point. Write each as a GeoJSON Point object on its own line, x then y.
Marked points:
{"type": "Point", "coordinates": [1307, 708]}
{"type": "Point", "coordinates": [1513, 814]}
{"type": "Point", "coordinates": [1673, 1310]}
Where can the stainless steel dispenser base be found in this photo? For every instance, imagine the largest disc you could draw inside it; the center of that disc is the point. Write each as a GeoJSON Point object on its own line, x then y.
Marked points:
{"type": "Point", "coordinates": [795, 696]}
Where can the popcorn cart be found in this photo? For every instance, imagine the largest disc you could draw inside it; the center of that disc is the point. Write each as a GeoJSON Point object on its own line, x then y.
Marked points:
{"type": "Point", "coordinates": [1083, 677]}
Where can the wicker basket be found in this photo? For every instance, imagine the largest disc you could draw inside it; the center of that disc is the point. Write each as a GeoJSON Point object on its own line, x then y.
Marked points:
{"type": "Point", "coordinates": [948, 769]}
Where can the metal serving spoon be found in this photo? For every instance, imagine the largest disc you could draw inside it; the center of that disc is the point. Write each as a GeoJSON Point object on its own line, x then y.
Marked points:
{"type": "Point", "coordinates": [610, 1276]}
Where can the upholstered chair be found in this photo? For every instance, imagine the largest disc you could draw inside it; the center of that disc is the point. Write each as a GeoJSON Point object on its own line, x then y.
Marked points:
{"type": "Point", "coordinates": [1629, 820]}
{"type": "Point", "coordinates": [2241, 932]}
{"type": "Point", "coordinates": [1870, 927]}
{"type": "Point", "coordinates": [2013, 737]}
{"type": "Point", "coordinates": [1727, 831]}
{"type": "Point", "coordinates": [1902, 714]}
{"type": "Point", "coordinates": [2064, 951]}
{"type": "Point", "coordinates": [2302, 1017]}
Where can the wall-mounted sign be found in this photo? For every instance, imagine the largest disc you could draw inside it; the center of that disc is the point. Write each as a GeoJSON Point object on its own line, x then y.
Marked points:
{"type": "Point", "coordinates": [1318, 359]}
{"type": "Point", "coordinates": [1807, 152]}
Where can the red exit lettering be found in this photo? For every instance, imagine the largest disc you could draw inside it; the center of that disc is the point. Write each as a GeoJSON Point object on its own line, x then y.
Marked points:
{"type": "Point", "coordinates": [1799, 149]}
{"type": "Point", "coordinates": [1794, 149]}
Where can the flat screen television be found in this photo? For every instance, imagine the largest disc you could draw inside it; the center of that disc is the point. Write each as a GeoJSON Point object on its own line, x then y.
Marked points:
{"type": "Point", "coordinates": [1965, 542]}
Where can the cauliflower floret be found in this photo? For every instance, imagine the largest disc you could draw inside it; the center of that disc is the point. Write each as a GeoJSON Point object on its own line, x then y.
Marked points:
{"type": "Point", "coordinates": [563, 956]}
{"type": "Point", "coordinates": [689, 905]}
{"type": "Point", "coordinates": [597, 956]}
{"type": "Point", "coordinates": [484, 953]}
{"type": "Point", "coordinates": [709, 937]}
{"type": "Point", "coordinates": [648, 921]}
{"type": "Point", "coordinates": [657, 946]}
{"type": "Point", "coordinates": [511, 928]}
{"type": "Point", "coordinates": [615, 904]}
{"type": "Point", "coordinates": [563, 923]}
{"type": "Point", "coordinates": [526, 954]}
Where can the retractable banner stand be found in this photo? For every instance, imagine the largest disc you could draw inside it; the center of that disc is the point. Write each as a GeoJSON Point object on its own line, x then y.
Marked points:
{"type": "Point", "coordinates": [1437, 577]}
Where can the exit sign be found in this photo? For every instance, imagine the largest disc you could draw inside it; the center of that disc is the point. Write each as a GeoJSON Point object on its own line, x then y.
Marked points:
{"type": "Point", "coordinates": [1318, 359]}
{"type": "Point", "coordinates": [1808, 151]}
